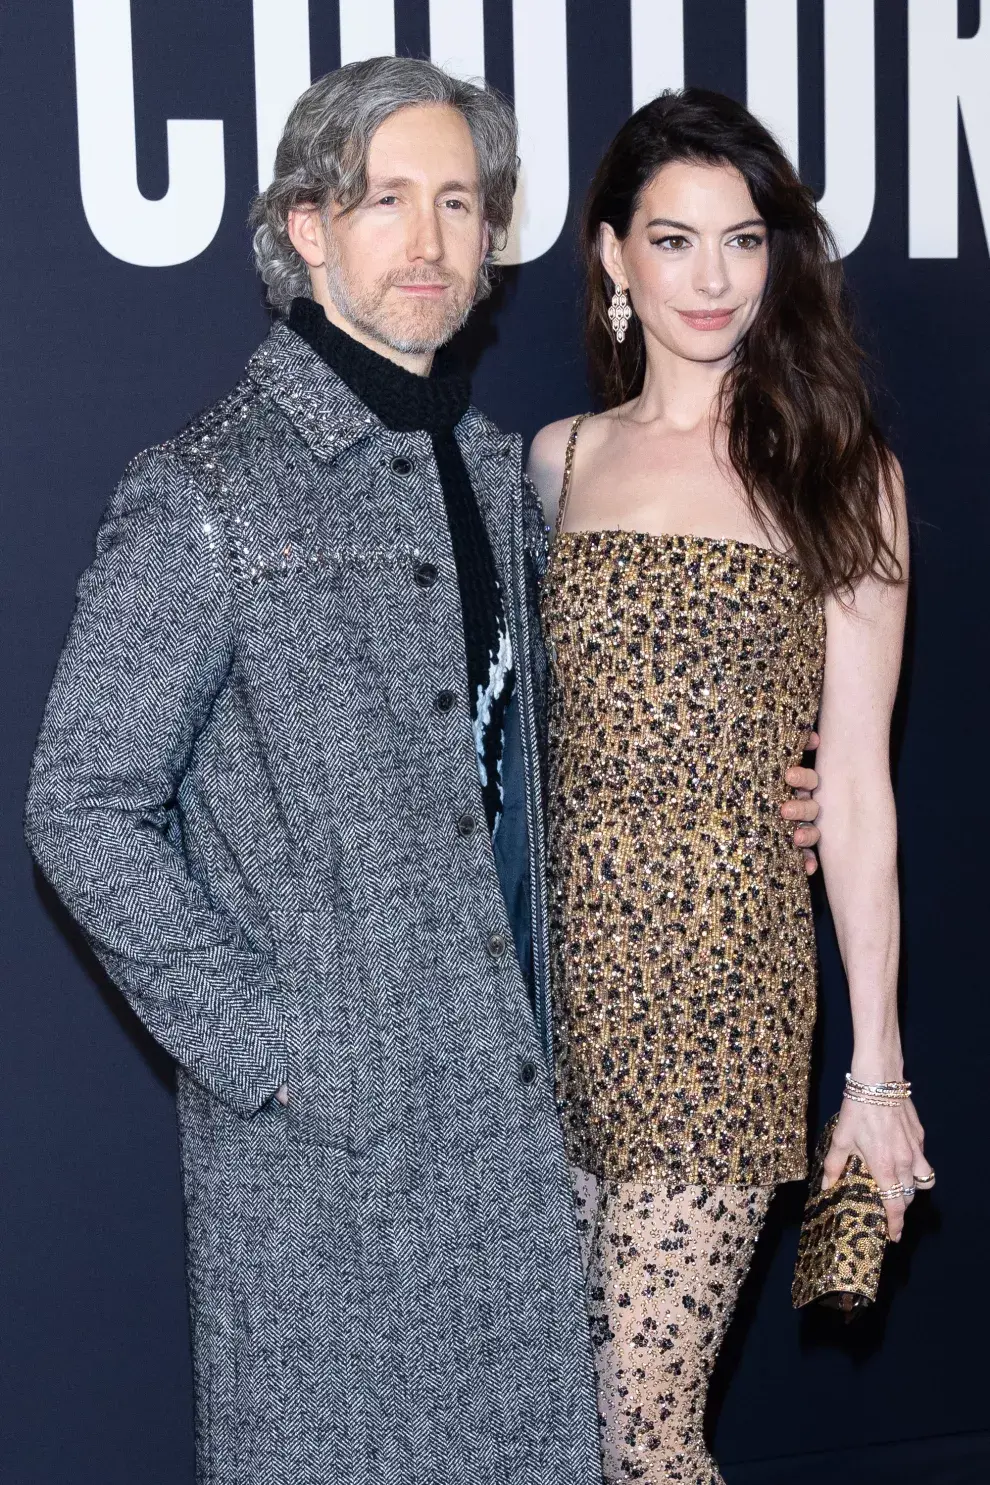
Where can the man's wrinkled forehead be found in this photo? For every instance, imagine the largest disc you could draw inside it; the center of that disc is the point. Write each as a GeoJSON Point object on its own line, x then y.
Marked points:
{"type": "Point", "coordinates": [424, 145]}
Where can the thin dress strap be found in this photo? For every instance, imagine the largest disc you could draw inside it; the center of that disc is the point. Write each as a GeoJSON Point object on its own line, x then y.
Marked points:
{"type": "Point", "coordinates": [565, 488]}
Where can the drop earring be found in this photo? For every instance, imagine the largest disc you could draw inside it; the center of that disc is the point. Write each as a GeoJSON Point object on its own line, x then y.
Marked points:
{"type": "Point", "coordinates": [620, 313]}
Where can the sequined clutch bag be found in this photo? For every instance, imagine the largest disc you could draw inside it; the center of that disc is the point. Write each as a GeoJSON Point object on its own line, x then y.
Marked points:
{"type": "Point", "coordinates": [843, 1236]}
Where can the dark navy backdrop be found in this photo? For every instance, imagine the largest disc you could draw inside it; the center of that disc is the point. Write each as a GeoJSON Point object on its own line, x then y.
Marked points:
{"type": "Point", "coordinates": [101, 358]}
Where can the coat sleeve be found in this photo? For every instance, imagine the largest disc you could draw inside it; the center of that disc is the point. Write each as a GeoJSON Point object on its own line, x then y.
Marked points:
{"type": "Point", "coordinates": [149, 647]}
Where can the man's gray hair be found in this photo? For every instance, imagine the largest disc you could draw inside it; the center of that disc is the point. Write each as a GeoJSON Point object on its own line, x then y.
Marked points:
{"type": "Point", "coordinates": [322, 157]}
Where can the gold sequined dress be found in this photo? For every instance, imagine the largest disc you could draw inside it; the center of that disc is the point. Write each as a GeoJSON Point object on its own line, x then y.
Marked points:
{"type": "Point", "coordinates": [685, 672]}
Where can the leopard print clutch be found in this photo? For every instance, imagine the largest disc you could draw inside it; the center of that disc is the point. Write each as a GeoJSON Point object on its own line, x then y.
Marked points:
{"type": "Point", "coordinates": [843, 1236]}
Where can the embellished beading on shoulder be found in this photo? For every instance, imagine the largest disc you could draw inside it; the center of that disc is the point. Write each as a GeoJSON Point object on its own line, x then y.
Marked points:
{"type": "Point", "coordinates": [203, 429]}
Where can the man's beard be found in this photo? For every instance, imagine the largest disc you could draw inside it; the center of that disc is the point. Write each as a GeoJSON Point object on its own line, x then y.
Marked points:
{"type": "Point", "coordinates": [413, 327]}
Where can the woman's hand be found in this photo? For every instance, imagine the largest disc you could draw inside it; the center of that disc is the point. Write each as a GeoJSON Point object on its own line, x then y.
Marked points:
{"type": "Point", "coordinates": [802, 809]}
{"type": "Point", "coordinates": [890, 1142]}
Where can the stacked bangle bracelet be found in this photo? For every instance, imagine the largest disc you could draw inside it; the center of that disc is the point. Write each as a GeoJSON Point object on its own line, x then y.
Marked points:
{"type": "Point", "coordinates": [881, 1095]}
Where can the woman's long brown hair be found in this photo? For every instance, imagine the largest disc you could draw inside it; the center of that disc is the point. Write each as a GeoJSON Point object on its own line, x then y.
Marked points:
{"type": "Point", "coordinates": [802, 436]}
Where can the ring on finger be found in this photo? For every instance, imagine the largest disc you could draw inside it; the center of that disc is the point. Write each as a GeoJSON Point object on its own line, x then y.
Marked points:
{"type": "Point", "coordinates": [925, 1180]}
{"type": "Point", "coordinates": [894, 1193]}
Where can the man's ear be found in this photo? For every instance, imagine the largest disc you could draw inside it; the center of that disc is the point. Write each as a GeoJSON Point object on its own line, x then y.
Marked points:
{"type": "Point", "coordinates": [610, 252]}
{"type": "Point", "coordinates": [305, 228]}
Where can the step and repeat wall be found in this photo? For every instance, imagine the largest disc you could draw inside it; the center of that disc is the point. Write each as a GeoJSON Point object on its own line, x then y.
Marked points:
{"type": "Point", "coordinates": [134, 135]}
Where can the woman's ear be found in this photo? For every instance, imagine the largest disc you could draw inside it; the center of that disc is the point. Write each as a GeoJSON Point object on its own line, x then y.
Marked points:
{"type": "Point", "coordinates": [305, 230]}
{"type": "Point", "coordinates": [610, 252]}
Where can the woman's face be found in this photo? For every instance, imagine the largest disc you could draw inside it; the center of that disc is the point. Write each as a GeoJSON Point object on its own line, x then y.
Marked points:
{"type": "Point", "coordinates": [694, 260]}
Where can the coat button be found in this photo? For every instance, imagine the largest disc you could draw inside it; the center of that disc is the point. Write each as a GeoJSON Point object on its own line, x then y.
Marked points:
{"type": "Point", "coordinates": [528, 1072]}
{"type": "Point", "coordinates": [445, 701]}
{"type": "Point", "coordinates": [401, 465]}
{"type": "Point", "coordinates": [425, 574]}
{"type": "Point", "coordinates": [496, 945]}
{"type": "Point", "coordinates": [466, 825]}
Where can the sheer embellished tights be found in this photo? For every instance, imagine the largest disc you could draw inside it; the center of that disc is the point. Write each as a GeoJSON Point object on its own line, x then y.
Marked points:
{"type": "Point", "coordinates": [663, 1266]}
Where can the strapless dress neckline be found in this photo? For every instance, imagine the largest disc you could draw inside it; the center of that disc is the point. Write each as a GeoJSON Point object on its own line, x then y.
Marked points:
{"type": "Point", "coordinates": [680, 538]}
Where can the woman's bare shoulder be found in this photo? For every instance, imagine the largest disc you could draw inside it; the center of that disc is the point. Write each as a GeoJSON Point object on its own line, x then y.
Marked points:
{"type": "Point", "coordinates": [549, 447]}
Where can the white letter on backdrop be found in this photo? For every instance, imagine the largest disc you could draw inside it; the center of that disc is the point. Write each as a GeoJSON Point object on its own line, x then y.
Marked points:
{"type": "Point", "coordinates": [152, 234]}
{"type": "Point", "coordinates": [367, 29]}
{"type": "Point", "coordinates": [657, 28]}
{"type": "Point", "coordinates": [850, 108]}
{"type": "Point", "coordinates": [457, 36]}
{"type": "Point", "coordinates": [772, 68]}
{"type": "Point", "coordinates": [539, 50]}
{"type": "Point", "coordinates": [946, 77]}
{"type": "Point", "coordinates": [281, 72]}
{"type": "Point", "coordinates": [772, 94]}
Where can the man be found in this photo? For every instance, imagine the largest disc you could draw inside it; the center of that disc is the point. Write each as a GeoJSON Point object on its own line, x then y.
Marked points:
{"type": "Point", "coordinates": [289, 783]}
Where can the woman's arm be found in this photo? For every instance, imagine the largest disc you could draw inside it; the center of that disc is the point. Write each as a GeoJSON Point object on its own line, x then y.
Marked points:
{"type": "Point", "coordinates": [859, 860]}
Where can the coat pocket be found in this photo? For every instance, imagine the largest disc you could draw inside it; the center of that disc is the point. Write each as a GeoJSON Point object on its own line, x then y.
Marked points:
{"type": "Point", "coordinates": [320, 1069]}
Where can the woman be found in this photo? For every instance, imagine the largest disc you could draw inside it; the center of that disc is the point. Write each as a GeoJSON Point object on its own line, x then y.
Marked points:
{"type": "Point", "coordinates": [730, 562]}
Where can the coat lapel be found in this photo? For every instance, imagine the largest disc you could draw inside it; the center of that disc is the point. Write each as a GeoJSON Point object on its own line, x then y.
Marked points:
{"type": "Point", "coordinates": [492, 459]}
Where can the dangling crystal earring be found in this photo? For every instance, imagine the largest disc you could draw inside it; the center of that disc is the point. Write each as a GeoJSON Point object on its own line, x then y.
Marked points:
{"type": "Point", "coordinates": [620, 313]}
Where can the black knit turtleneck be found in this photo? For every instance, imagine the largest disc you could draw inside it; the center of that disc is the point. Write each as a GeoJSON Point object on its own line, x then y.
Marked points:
{"type": "Point", "coordinates": [435, 405]}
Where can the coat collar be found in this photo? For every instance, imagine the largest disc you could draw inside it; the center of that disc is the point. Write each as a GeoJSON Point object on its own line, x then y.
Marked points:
{"type": "Point", "coordinates": [478, 437]}
{"type": "Point", "coordinates": [319, 405]}
{"type": "Point", "coordinates": [331, 418]}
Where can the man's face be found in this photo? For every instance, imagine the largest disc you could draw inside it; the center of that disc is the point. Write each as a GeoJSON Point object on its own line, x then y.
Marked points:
{"type": "Point", "coordinates": [401, 268]}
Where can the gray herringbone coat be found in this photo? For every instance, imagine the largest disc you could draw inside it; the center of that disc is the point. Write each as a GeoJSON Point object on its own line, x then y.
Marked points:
{"type": "Point", "coordinates": [246, 796]}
